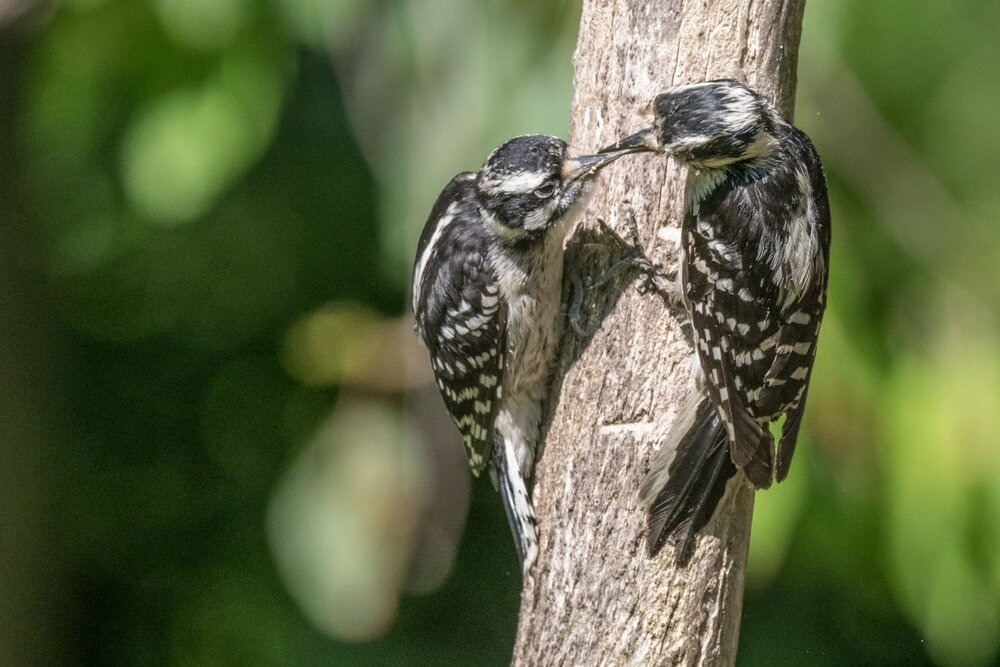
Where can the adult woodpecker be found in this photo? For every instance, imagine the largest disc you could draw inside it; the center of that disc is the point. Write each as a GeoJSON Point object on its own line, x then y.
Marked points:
{"type": "Point", "coordinates": [486, 296]}
{"type": "Point", "coordinates": [755, 244]}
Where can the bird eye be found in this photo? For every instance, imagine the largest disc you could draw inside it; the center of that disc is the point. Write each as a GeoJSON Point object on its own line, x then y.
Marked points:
{"type": "Point", "coordinates": [545, 190]}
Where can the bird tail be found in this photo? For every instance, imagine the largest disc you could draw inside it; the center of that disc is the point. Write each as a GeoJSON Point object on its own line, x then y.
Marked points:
{"type": "Point", "coordinates": [516, 501]}
{"type": "Point", "coordinates": [687, 478]}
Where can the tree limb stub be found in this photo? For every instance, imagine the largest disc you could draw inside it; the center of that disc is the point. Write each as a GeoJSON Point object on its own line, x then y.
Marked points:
{"type": "Point", "coordinates": [595, 597]}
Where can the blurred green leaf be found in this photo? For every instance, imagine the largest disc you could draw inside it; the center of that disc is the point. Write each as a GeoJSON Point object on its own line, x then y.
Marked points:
{"type": "Point", "coordinates": [190, 145]}
{"type": "Point", "coordinates": [944, 416]}
{"type": "Point", "coordinates": [775, 516]}
{"type": "Point", "coordinates": [203, 25]}
{"type": "Point", "coordinates": [341, 522]}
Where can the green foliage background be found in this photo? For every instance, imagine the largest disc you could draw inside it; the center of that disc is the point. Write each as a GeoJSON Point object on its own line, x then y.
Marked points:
{"type": "Point", "coordinates": [214, 449]}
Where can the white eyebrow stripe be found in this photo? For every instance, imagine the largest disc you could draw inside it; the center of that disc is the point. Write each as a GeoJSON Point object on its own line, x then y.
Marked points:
{"type": "Point", "coordinates": [516, 183]}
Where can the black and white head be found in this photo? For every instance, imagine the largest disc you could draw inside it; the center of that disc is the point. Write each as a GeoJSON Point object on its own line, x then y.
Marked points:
{"type": "Point", "coordinates": [710, 124]}
{"type": "Point", "coordinates": [529, 184]}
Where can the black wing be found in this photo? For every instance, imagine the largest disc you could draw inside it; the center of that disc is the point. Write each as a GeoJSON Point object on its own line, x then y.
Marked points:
{"type": "Point", "coordinates": [756, 334]}
{"type": "Point", "coordinates": [460, 316]}
{"type": "Point", "coordinates": [711, 275]}
{"type": "Point", "coordinates": [786, 382]}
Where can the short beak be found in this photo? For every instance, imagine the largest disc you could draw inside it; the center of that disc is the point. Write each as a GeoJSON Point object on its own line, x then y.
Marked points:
{"type": "Point", "coordinates": [642, 141]}
{"type": "Point", "coordinates": [585, 166]}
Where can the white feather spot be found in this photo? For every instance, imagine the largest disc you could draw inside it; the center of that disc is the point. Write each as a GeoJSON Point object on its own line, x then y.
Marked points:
{"type": "Point", "coordinates": [429, 250]}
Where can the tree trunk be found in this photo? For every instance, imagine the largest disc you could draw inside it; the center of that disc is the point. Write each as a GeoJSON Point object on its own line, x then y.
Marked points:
{"type": "Point", "coordinates": [595, 597]}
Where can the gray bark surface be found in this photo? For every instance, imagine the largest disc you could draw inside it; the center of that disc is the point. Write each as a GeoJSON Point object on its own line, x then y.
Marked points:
{"type": "Point", "coordinates": [595, 597]}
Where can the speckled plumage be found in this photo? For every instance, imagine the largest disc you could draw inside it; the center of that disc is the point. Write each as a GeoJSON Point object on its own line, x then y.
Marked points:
{"type": "Point", "coordinates": [755, 251]}
{"type": "Point", "coordinates": [486, 289]}
{"type": "Point", "coordinates": [753, 274]}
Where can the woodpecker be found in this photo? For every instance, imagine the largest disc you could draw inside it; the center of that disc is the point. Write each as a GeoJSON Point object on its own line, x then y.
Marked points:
{"type": "Point", "coordinates": [486, 298]}
{"type": "Point", "coordinates": [754, 256]}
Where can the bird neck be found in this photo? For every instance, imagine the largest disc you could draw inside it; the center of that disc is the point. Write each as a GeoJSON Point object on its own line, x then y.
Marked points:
{"type": "Point", "coordinates": [702, 182]}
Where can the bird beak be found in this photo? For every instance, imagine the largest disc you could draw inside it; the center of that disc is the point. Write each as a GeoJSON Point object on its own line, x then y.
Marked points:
{"type": "Point", "coordinates": [642, 141]}
{"type": "Point", "coordinates": [585, 166]}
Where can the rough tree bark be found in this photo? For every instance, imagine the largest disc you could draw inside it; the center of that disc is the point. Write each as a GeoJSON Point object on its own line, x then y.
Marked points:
{"type": "Point", "coordinates": [595, 598]}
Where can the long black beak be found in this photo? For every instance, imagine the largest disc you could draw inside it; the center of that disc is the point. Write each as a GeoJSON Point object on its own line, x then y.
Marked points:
{"type": "Point", "coordinates": [585, 166]}
{"type": "Point", "coordinates": [642, 141]}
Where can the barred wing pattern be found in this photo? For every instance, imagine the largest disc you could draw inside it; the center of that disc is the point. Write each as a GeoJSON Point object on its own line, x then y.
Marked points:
{"type": "Point", "coordinates": [460, 316]}
{"type": "Point", "coordinates": [756, 297]}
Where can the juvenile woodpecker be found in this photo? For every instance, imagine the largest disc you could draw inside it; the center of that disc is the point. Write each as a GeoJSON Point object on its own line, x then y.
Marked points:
{"type": "Point", "coordinates": [486, 296]}
{"type": "Point", "coordinates": [755, 246]}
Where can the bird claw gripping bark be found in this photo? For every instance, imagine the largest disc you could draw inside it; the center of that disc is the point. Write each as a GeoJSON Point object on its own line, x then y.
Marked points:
{"type": "Point", "coordinates": [577, 290]}
{"type": "Point", "coordinates": [654, 279]}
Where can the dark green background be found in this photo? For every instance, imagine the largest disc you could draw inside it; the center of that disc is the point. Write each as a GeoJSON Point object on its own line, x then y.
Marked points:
{"type": "Point", "coordinates": [207, 215]}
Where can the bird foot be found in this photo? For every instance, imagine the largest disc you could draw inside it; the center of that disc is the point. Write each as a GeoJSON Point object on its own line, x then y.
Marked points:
{"type": "Point", "coordinates": [654, 278]}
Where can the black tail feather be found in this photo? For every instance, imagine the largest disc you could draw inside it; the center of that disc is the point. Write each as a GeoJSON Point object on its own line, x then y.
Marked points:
{"type": "Point", "coordinates": [695, 483]}
{"type": "Point", "coordinates": [516, 503]}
